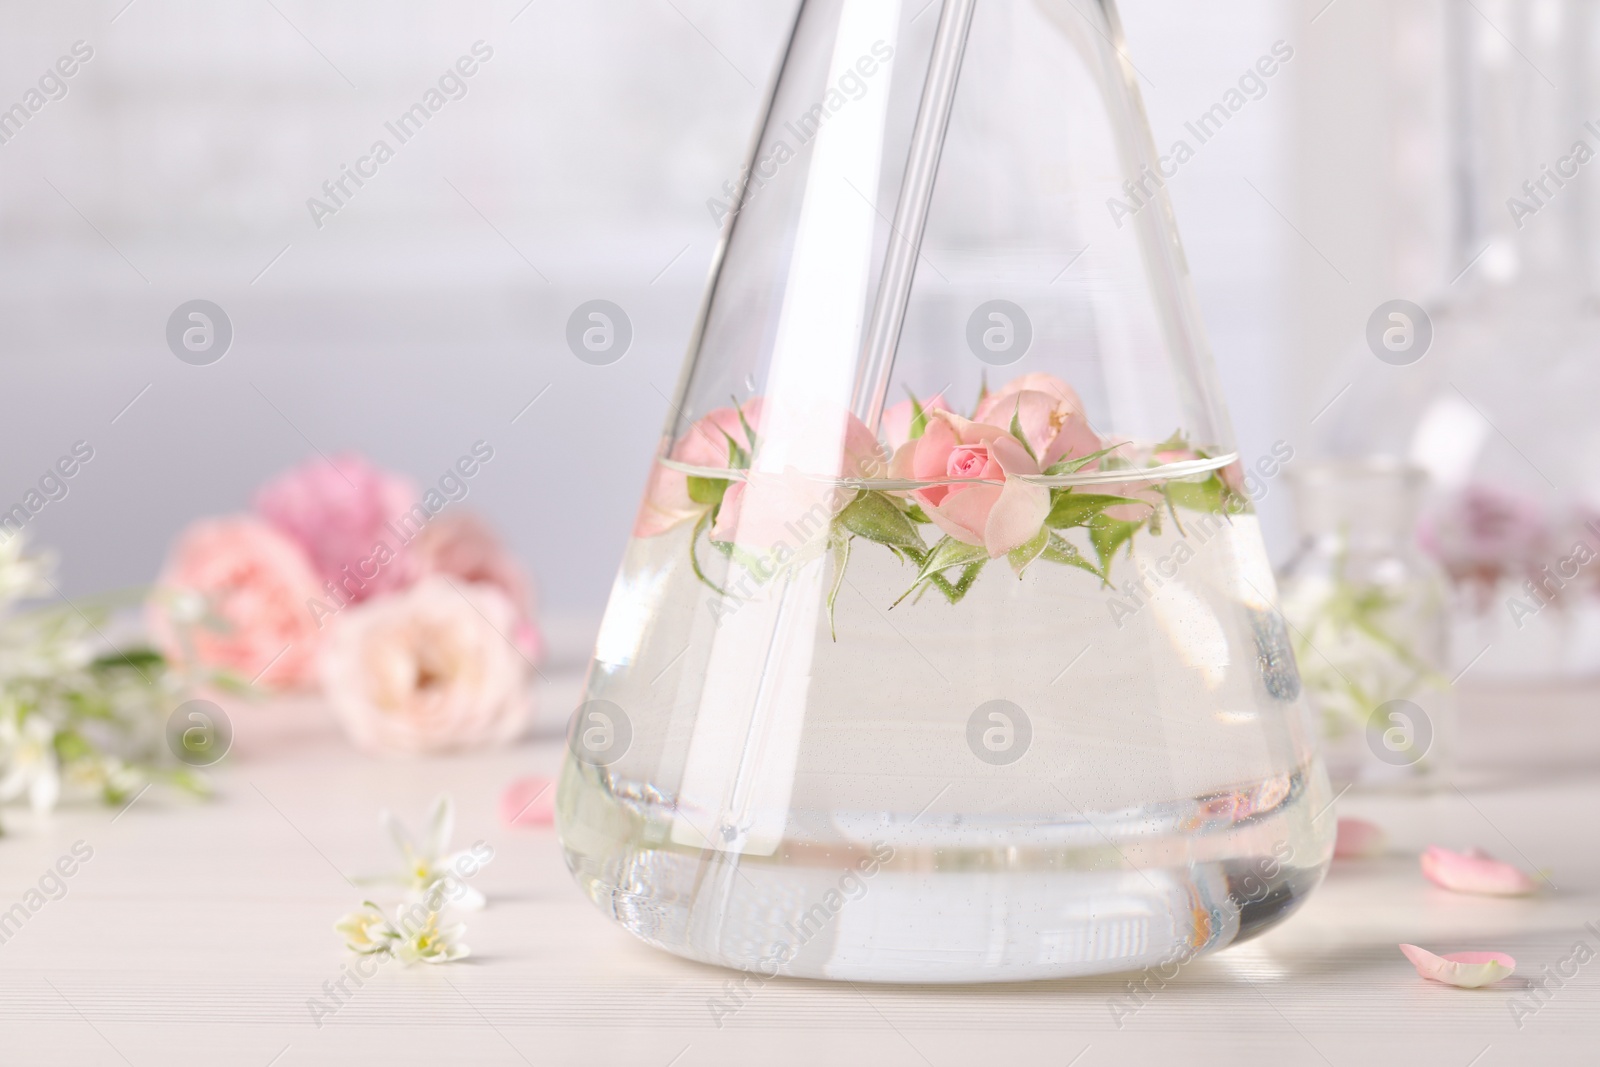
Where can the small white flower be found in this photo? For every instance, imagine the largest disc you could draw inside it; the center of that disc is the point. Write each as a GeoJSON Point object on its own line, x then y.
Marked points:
{"type": "Point", "coordinates": [413, 936]}
{"type": "Point", "coordinates": [28, 761]}
{"type": "Point", "coordinates": [432, 943]}
{"type": "Point", "coordinates": [367, 932]}
{"type": "Point", "coordinates": [429, 872]}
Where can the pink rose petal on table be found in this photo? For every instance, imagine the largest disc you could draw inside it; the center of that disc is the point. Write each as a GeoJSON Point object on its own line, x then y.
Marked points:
{"type": "Point", "coordinates": [1474, 872]}
{"type": "Point", "coordinates": [1358, 839]}
{"type": "Point", "coordinates": [1469, 970]}
{"type": "Point", "coordinates": [529, 801]}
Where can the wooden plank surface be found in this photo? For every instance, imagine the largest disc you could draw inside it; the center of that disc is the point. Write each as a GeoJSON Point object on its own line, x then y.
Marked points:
{"type": "Point", "coordinates": [199, 933]}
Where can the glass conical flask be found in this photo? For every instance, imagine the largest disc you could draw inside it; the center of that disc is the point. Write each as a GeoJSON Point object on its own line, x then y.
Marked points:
{"type": "Point", "coordinates": [945, 647]}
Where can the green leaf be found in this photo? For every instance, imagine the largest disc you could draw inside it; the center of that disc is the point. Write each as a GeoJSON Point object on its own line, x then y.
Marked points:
{"type": "Point", "coordinates": [1024, 554]}
{"type": "Point", "coordinates": [1080, 509]}
{"type": "Point", "coordinates": [841, 559]}
{"type": "Point", "coordinates": [738, 458]}
{"type": "Point", "coordinates": [874, 516]}
{"type": "Point", "coordinates": [1060, 550]}
{"type": "Point", "coordinates": [71, 745]}
{"type": "Point", "coordinates": [707, 491]}
{"type": "Point", "coordinates": [1210, 495]}
{"type": "Point", "coordinates": [1108, 535]}
{"type": "Point", "coordinates": [1073, 465]}
{"type": "Point", "coordinates": [136, 658]}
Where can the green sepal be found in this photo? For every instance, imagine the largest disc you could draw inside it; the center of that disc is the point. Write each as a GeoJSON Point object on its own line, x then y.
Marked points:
{"type": "Point", "coordinates": [946, 554]}
{"type": "Point", "coordinates": [874, 516]}
{"type": "Point", "coordinates": [1077, 463]}
{"type": "Point", "coordinates": [954, 591]}
{"type": "Point", "coordinates": [1016, 430]}
{"type": "Point", "coordinates": [951, 553]}
{"type": "Point", "coordinates": [919, 418]}
{"type": "Point", "coordinates": [707, 492]}
{"type": "Point", "coordinates": [749, 433]}
{"type": "Point", "coordinates": [1026, 553]}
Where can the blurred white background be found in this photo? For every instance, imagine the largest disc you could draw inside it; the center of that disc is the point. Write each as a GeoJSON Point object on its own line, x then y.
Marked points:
{"type": "Point", "coordinates": [431, 309]}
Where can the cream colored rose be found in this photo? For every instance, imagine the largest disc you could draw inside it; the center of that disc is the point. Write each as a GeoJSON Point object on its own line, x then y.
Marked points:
{"type": "Point", "coordinates": [429, 669]}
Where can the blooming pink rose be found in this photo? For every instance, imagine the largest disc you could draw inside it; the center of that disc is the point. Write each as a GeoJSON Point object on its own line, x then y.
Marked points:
{"type": "Point", "coordinates": [666, 500]}
{"type": "Point", "coordinates": [998, 517]}
{"type": "Point", "coordinates": [339, 512]}
{"type": "Point", "coordinates": [234, 595]}
{"type": "Point", "coordinates": [428, 669]}
{"type": "Point", "coordinates": [1053, 424]}
{"type": "Point", "coordinates": [1038, 382]}
{"type": "Point", "coordinates": [462, 546]}
{"type": "Point", "coordinates": [897, 418]}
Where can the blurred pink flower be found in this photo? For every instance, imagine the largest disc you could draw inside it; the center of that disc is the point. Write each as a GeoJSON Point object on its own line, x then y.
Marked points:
{"type": "Point", "coordinates": [1358, 839]}
{"type": "Point", "coordinates": [463, 547]}
{"type": "Point", "coordinates": [997, 517]}
{"type": "Point", "coordinates": [897, 418]}
{"type": "Point", "coordinates": [234, 595]}
{"type": "Point", "coordinates": [340, 512]}
{"type": "Point", "coordinates": [1485, 533]}
{"type": "Point", "coordinates": [667, 502]}
{"type": "Point", "coordinates": [428, 669]}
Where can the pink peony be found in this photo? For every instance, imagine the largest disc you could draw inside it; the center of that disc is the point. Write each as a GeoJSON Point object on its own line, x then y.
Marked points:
{"type": "Point", "coordinates": [429, 669]}
{"type": "Point", "coordinates": [1049, 414]}
{"type": "Point", "coordinates": [340, 512]}
{"type": "Point", "coordinates": [244, 588]}
{"type": "Point", "coordinates": [998, 517]}
{"type": "Point", "coordinates": [896, 421]}
{"type": "Point", "coordinates": [667, 502]}
{"type": "Point", "coordinates": [463, 547]}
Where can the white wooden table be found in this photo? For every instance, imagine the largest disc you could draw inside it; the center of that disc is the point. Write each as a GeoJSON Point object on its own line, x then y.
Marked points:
{"type": "Point", "coordinates": [198, 932]}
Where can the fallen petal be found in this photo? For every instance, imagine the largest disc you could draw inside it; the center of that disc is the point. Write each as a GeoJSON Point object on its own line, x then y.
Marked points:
{"type": "Point", "coordinates": [1469, 970]}
{"type": "Point", "coordinates": [1358, 839]}
{"type": "Point", "coordinates": [529, 801]}
{"type": "Point", "coordinates": [1474, 872]}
